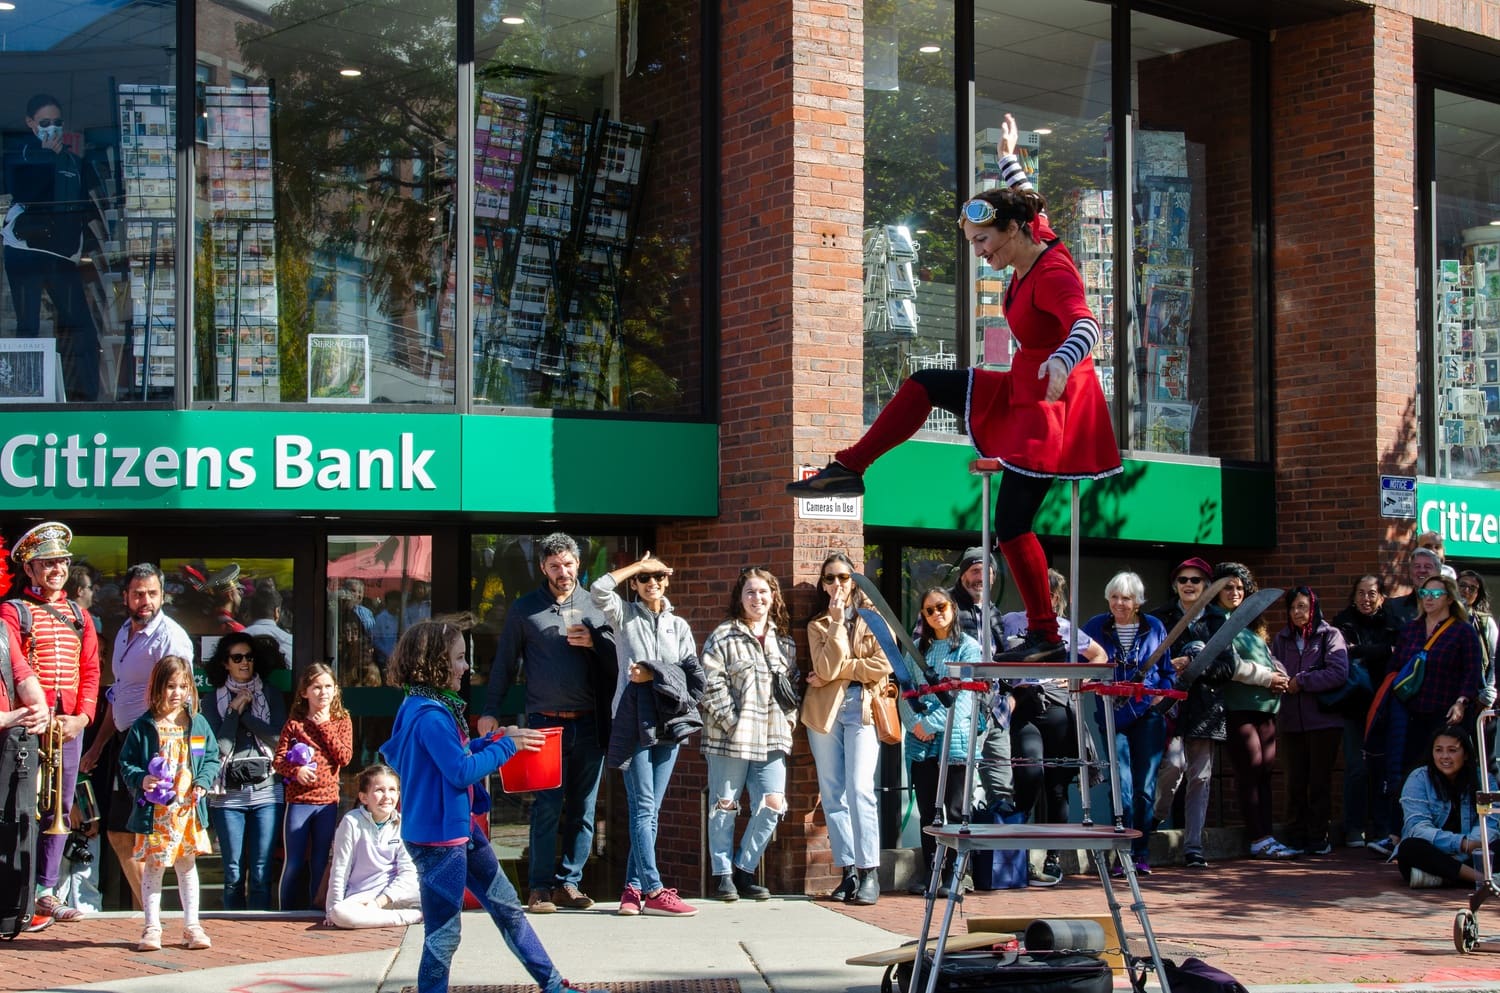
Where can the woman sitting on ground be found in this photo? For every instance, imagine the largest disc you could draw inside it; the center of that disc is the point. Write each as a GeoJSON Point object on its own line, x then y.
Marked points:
{"type": "Point", "coordinates": [1440, 831]}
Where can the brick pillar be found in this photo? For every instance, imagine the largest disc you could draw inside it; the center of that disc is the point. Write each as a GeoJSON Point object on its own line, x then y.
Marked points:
{"type": "Point", "coordinates": [790, 364]}
{"type": "Point", "coordinates": [1345, 372]}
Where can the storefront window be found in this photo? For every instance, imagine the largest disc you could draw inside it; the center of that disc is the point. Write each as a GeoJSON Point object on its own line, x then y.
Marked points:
{"type": "Point", "coordinates": [324, 244]}
{"type": "Point", "coordinates": [88, 195]}
{"type": "Point", "coordinates": [1466, 287]}
{"type": "Point", "coordinates": [587, 209]}
{"type": "Point", "coordinates": [910, 235]}
{"type": "Point", "coordinates": [1051, 70]}
{"type": "Point", "coordinates": [1192, 357]}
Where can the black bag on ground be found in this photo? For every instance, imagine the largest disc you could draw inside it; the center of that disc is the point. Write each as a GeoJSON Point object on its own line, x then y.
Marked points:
{"type": "Point", "coordinates": [987, 972]}
{"type": "Point", "coordinates": [1197, 976]}
{"type": "Point", "coordinates": [18, 754]}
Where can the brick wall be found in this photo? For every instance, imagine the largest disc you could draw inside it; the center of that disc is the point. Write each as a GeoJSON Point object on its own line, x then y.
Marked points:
{"type": "Point", "coordinates": [790, 347]}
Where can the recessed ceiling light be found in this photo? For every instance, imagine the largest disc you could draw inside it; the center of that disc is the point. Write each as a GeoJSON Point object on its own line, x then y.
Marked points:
{"type": "Point", "coordinates": [351, 73]}
{"type": "Point", "coordinates": [512, 20]}
{"type": "Point", "coordinates": [1042, 130]}
{"type": "Point", "coordinates": [929, 49]}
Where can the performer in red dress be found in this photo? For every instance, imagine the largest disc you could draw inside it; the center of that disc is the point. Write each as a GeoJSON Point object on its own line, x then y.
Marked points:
{"type": "Point", "coordinates": [1044, 419]}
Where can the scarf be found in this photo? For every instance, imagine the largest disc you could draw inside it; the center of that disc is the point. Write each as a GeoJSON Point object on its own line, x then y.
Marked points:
{"type": "Point", "coordinates": [258, 706]}
{"type": "Point", "coordinates": [456, 704]}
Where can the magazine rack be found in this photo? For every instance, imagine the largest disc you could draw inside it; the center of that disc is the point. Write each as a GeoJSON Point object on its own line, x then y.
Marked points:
{"type": "Point", "coordinates": [965, 837]}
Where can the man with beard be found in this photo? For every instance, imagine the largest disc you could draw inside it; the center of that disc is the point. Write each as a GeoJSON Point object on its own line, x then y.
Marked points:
{"type": "Point", "coordinates": [147, 638]}
{"type": "Point", "coordinates": [58, 643]}
{"type": "Point", "coordinates": [563, 641]}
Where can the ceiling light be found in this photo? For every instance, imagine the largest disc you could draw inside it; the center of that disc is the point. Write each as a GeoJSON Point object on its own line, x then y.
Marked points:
{"type": "Point", "coordinates": [512, 20]}
{"type": "Point", "coordinates": [350, 73]}
{"type": "Point", "coordinates": [1042, 130]}
{"type": "Point", "coordinates": [7, 6]}
{"type": "Point", "coordinates": [929, 49]}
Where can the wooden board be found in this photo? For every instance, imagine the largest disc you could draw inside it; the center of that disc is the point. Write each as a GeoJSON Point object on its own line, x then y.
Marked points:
{"type": "Point", "coordinates": [1019, 924]}
{"type": "Point", "coordinates": [955, 943]}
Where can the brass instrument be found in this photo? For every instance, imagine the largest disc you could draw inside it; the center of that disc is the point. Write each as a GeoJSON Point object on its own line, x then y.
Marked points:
{"type": "Point", "coordinates": [49, 787]}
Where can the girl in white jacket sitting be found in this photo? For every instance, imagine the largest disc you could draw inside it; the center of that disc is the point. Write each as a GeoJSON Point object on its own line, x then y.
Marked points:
{"type": "Point", "coordinates": [372, 881]}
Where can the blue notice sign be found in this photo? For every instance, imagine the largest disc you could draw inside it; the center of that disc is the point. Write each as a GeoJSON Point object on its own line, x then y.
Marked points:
{"type": "Point", "coordinates": [1398, 497]}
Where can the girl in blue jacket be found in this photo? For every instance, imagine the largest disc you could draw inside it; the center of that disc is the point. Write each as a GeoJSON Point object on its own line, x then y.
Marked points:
{"type": "Point", "coordinates": [443, 771]}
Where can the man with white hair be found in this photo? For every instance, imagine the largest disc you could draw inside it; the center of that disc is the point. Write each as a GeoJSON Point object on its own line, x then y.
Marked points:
{"type": "Point", "coordinates": [1425, 563]}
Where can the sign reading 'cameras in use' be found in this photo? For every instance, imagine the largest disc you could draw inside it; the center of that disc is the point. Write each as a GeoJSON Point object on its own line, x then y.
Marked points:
{"type": "Point", "coordinates": [825, 508]}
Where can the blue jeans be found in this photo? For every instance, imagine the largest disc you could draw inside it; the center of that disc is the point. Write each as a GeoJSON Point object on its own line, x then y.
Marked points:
{"type": "Point", "coordinates": [726, 778]}
{"type": "Point", "coordinates": [443, 872]}
{"type": "Point", "coordinates": [308, 834]}
{"type": "Point", "coordinates": [1139, 749]}
{"type": "Point", "coordinates": [845, 758]}
{"type": "Point", "coordinates": [570, 806]}
{"type": "Point", "coordinates": [245, 841]}
{"type": "Point", "coordinates": [646, 779]}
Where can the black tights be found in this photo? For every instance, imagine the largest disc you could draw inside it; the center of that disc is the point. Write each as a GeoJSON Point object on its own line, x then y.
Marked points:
{"type": "Point", "coordinates": [1042, 729]}
{"type": "Point", "coordinates": [1020, 496]}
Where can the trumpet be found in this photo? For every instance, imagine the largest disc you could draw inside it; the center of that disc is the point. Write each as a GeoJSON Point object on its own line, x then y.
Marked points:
{"type": "Point", "coordinates": [49, 787]}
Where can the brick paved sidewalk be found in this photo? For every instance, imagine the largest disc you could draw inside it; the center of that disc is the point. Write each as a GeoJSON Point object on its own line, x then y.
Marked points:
{"type": "Point", "coordinates": [102, 948]}
{"type": "Point", "coordinates": [1342, 919]}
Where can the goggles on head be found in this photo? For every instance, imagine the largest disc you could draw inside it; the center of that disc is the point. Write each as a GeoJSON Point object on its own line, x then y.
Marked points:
{"type": "Point", "coordinates": [977, 211]}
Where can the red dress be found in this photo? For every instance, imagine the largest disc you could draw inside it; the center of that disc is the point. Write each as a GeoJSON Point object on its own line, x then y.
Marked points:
{"type": "Point", "coordinates": [1006, 414]}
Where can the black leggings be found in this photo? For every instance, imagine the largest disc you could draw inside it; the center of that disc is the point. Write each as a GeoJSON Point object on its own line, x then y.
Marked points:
{"type": "Point", "coordinates": [1020, 496]}
{"type": "Point", "coordinates": [924, 778]}
{"type": "Point", "coordinates": [1041, 729]}
{"type": "Point", "coordinates": [1417, 853]}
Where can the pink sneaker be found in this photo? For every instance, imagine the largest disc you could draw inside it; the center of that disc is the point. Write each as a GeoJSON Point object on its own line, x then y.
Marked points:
{"type": "Point", "coordinates": [668, 904]}
{"type": "Point", "coordinates": [630, 902]}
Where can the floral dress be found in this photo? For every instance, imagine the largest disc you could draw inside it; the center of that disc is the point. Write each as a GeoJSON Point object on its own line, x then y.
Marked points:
{"type": "Point", "coordinates": [175, 828]}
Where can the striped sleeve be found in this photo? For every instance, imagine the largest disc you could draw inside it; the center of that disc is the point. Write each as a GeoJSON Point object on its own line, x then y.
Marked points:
{"type": "Point", "coordinates": [1080, 342]}
{"type": "Point", "coordinates": [1012, 175]}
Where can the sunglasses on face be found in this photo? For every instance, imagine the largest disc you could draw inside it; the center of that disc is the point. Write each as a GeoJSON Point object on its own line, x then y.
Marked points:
{"type": "Point", "coordinates": [650, 577]}
{"type": "Point", "coordinates": [1468, 587]}
{"type": "Point", "coordinates": [1189, 580]}
{"type": "Point", "coordinates": [933, 610]}
{"type": "Point", "coordinates": [240, 657]}
{"type": "Point", "coordinates": [49, 122]}
{"type": "Point", "coordinates": [1427, 594]}
{"type": "Point", "coordinates": [977, 211]}
{"type": "Point", "coordinates": [836, 577]}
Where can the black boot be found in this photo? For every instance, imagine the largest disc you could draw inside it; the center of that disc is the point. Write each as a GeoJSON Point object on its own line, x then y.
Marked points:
{"type": "Point", "coordinates": [1035, 647]}
{"type": "Point", "coordinates": [725, 890]}
{"type": "Point", "coordinates": [869, 889]}
{"type": "Point", "coordinates": [831, 480]}
{"type": "Point", "coordinates": [846, 888]}
{"type": "Point", "coordinates": [748, 887]}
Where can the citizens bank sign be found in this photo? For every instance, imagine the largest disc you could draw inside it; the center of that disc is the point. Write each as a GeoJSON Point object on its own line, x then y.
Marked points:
{"type": "Point", "coordinates": [1468, 518]}
{"type": "Point", "coordinates": [217, 460]}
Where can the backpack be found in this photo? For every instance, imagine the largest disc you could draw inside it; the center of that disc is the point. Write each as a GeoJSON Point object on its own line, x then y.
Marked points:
{"type": "Point", "coordinates": [18, 826]}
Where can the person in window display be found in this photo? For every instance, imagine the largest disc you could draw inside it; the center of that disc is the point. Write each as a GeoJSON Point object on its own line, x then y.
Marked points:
{"type": "Point", "coordinates": [43, 237]}
{"type": "Point", "coordinates": [1046, 418]}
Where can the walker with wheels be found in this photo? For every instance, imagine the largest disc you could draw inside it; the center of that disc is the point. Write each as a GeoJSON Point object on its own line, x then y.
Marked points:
{"type": "Point", "coordinates": [1466, 922]}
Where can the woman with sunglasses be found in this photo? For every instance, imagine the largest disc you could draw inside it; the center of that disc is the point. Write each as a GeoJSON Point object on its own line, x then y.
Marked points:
{"type": "Point", "coordinates": [1476, 598]}
{"type": "Point", "coordinates": [655, 709]}
{"type": "Point", "coordinates": [246, 801]}
{"type": "Point", "coordinates": [1189, 753]}
{"type": "Point", "coordinates": [1044, 419]}
{"type": "Point", "coordinates": [943, 643]}
{"type": "Point", "coordinates": [747, 734]}
{"type": "Point", "coordinates": [847, 667]}
{"type": "Point", "coordinates": [1370, 634]}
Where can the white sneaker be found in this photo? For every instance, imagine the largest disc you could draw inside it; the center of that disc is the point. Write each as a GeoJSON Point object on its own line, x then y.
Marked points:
{"type": "Point", "coordinates": [1422, 880]}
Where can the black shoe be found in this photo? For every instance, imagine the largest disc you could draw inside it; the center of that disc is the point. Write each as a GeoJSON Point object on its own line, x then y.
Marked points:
{"type": "Point", "coordinates": [831, 480]}
{"type": "Point", "coordinates": [1195, 860]}
{"type": "Point", "coordinates": [748, 888]}
{"type": "Point", "coordinates": [869, 889]}
{"type": "Point", "coordinates": [726, 890]}
{"type": "Point", "coordinates": [1050, 873]}
{"type": "Point", "coordinates": [1035, 647]}
{"type": "Point", "coordinates": [846, 888]}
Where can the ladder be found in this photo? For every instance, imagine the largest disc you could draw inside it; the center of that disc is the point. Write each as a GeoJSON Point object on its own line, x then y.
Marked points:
{"type": "Point", "coordinates": [965, 837]}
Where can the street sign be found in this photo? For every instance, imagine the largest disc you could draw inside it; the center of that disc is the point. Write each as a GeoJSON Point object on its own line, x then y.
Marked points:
{"type": "Point", "coordinates": [1398, 497]}
{"type": "Point", "coordinates": [825, 508]}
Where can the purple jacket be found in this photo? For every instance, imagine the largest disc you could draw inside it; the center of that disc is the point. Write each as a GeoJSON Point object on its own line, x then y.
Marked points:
{"type": "Point", "coordinates": [1322, 664]}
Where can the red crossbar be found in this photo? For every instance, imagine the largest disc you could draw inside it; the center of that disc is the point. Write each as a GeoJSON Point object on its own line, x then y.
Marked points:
{"type": "Point", "coordinates": [1136, 691]}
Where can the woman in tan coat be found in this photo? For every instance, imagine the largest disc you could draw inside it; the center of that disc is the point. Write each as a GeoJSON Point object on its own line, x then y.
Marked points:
{"type": "Point", "coordinates": [847, 664]}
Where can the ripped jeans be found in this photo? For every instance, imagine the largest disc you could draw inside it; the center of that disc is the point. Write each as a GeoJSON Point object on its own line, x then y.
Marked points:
{"type": "Point", "coordinates": [727, 777]}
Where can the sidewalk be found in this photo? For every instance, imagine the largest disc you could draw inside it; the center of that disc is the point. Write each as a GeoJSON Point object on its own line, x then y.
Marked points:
{"type": "Point", "coordinates": [1323, 924]}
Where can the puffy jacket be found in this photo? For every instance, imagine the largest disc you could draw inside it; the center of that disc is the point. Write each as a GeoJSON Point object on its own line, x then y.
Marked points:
{"type": "Point", "coordinates": [1322, 664]}
{"type": "Point", "coordinates": [935, 717]}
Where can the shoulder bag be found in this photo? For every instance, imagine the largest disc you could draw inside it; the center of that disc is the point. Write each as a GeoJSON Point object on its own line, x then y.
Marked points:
{"type": "Point", "coordinates": [1354, 693]}
{"type": "Point", "coordinates": [883, 712]}
{"type": "Point", "coordinates": [1409, 677]}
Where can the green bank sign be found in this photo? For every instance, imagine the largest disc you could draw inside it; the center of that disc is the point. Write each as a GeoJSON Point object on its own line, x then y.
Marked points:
{"type": "Point", "coordinates": [231, 460]}
{"type": "Point", "coordinates": [1467, 517]}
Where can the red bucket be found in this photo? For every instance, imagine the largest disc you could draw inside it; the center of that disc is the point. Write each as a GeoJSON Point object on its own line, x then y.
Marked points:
{"type": "Point", "coordinates": [539, 770]}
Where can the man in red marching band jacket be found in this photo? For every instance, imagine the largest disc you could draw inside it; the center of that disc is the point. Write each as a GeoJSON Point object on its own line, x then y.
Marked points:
{"type": "Point", "coordinates": [61, 647]}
